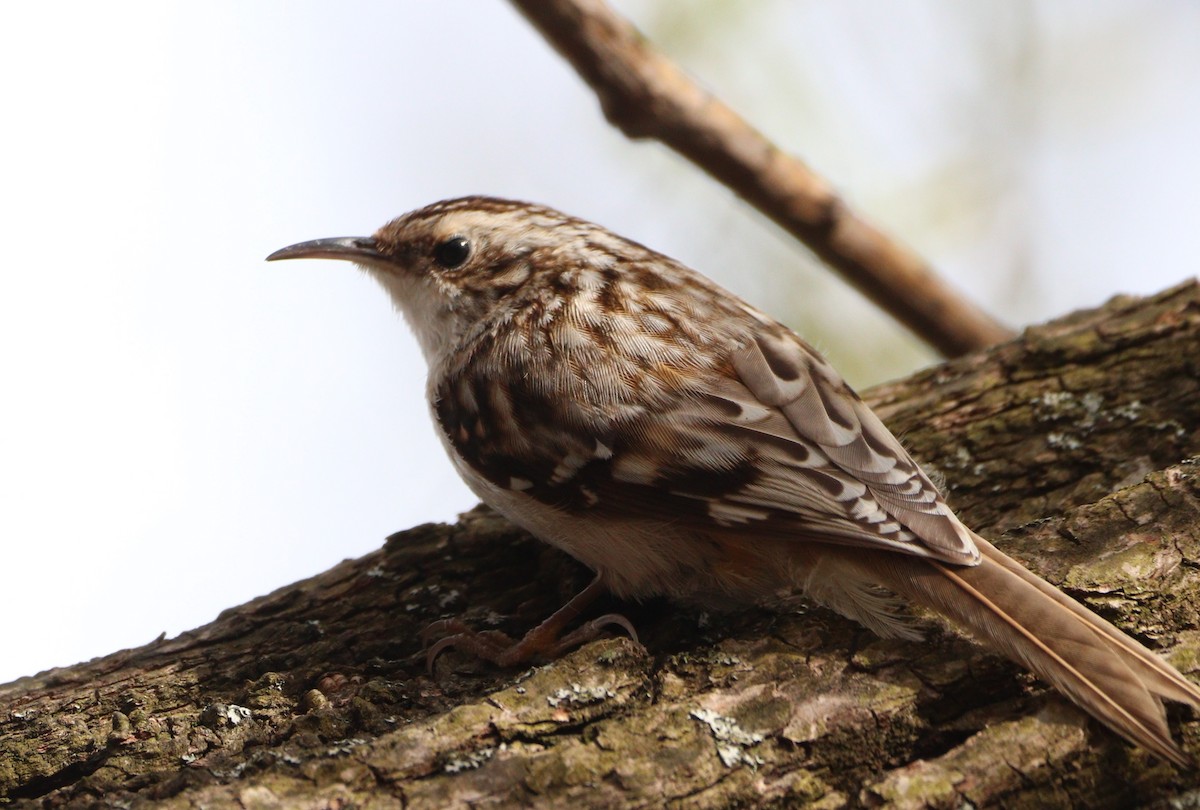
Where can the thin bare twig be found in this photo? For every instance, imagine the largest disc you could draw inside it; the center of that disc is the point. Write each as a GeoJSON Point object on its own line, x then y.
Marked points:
{"type": "Point", "coordinates": [645, 95]}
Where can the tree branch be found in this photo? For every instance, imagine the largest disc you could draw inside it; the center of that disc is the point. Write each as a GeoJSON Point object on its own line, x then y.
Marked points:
{"type": "Point", "coordinates": [1070, 439]}
{"type": "Point", "coordinates": [645, 95]}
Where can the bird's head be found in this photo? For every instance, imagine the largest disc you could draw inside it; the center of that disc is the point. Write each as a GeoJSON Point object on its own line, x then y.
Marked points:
{"type": "Point", "coordinates": [448, 265]}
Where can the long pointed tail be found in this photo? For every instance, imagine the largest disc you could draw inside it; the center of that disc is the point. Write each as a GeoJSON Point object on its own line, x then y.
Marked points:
{"type": "Point", "coordinates": [1110, 675]}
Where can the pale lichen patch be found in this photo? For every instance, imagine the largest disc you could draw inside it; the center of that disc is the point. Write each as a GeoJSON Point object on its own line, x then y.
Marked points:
{"type": "Point", "coordinates": [576, 695]}
{"type": "Point", "coordinates": [732, 740]}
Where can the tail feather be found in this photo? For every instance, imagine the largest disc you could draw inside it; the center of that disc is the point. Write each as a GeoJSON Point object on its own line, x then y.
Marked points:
{"type": "Point", "coordinates": [1107, 673]}
{"type": "Point", "coordinates": [1064, 651]}
{"type": "Point", "coordinates": [1160, 677]}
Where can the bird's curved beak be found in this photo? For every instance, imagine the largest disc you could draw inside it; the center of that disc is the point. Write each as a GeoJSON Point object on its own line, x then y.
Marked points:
{"type": "Point", "coordinates": [346, 248]}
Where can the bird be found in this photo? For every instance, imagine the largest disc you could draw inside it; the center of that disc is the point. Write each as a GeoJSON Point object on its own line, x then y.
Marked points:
{"type": "Point", "coordinates": [678, 441]}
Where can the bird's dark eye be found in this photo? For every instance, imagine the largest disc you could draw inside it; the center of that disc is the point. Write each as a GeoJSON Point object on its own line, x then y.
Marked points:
{"type": "Point", "coordinates": [453, 252]}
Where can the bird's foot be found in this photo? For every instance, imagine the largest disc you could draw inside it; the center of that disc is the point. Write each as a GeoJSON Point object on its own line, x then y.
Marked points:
{"type": "Point", "coordinates": [545, 642]}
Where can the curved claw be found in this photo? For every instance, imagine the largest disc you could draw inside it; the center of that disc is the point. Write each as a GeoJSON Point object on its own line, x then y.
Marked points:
{"type": "Point", "coordinates": [619, 621]}
{"type": "Point", "coordinates": [438, 631]}
{"type": "Point", "coordinates": [589, 631]}
{"type": "Point", "coordinates": [490, 645]}
{"type": "Point", "coordinates": [437, 649]}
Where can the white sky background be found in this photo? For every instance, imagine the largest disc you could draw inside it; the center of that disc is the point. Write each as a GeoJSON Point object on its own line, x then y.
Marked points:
{"type": "Point", "coordinates": [184, 427]}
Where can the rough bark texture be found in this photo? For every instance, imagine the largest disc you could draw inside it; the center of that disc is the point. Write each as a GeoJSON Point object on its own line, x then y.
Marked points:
{"type": "Point", "coordinates": [1070, 447]}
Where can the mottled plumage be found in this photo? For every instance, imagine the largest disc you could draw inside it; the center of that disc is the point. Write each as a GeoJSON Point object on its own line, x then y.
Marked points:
{"type": "Point", "coordinates": [679, 441]}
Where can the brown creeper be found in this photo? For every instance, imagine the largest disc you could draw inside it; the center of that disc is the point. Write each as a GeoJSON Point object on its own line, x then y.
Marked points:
{"type": "Point", "coordinates": [678, 441]}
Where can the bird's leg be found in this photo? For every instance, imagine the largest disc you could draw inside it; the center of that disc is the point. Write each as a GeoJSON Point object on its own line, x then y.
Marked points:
{"type": "Point", "coordinates": [544, 641]}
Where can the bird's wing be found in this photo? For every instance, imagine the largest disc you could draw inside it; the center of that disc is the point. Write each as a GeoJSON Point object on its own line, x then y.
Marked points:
{"type": "Point", "coordinates": [872, 485]}
{"type": "Point", "coordinates": [773, 443]}
{"type": "Point", "coordinates": [779, 445]}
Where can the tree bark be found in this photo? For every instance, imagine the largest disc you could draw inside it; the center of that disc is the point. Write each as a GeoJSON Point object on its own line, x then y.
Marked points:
{"type": "Point", "coordinates": [1070, 447]}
